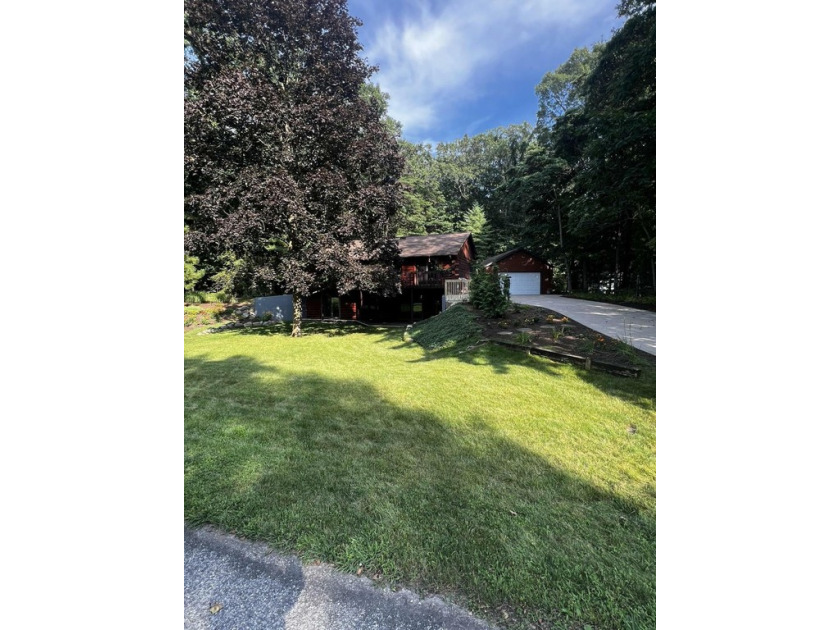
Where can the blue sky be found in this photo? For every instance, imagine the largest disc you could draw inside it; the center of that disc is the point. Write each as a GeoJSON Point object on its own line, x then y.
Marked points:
{"type": "Point", "coordinates": [455, 67]}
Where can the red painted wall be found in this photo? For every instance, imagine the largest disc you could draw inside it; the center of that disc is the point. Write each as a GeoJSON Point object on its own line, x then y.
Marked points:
{"type": "Point", "coordinates": [524, 262]}
{"type": "Point", "coordinates": [464, 260]}
{"type": "Point", "coordinates": [349, 310]}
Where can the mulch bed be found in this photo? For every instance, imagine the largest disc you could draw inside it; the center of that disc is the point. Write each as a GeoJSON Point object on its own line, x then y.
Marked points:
{"type": "Point", "coordinates": [546, 329]}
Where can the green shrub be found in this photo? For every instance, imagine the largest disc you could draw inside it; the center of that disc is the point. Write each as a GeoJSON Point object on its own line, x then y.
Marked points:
{"type": "Point", "coordinates": [490, 291]}
{"type": "Point", "coordinates": [192, 274]}
{"type": "Point", "coordinates": [194, 297]}
{"type": "Point", "coordinates": [202, 297]}
{"type": "Point", "coordinates": [226, 280]}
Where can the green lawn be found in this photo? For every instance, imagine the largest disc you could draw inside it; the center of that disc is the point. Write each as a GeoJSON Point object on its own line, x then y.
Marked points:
{"type": "Point", "coordinates": [505, 481]}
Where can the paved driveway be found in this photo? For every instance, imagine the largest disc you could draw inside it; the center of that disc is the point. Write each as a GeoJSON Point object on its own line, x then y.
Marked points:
{"type": "Point", "coordinates": [632, 325]}
{"type": "Point", "coordinates": [232, 584]}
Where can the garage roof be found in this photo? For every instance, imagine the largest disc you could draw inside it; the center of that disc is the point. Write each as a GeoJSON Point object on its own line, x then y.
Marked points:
{"type": "Point", "coordinates": [494, 259]}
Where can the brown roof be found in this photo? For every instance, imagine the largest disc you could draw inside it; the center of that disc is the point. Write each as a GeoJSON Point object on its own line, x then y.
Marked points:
{"type": "Point", "coordinates": [499, 257]}
{"type": "Point", "coordinates": [432, 245]}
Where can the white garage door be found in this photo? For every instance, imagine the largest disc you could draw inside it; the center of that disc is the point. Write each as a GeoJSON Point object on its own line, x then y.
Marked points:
{"type": "Point", "coordinates": [524, 283]}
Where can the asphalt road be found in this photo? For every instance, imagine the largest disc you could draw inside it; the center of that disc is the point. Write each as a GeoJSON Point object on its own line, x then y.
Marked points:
{"type": "Point", "coordinates": [234, 584]}
{"type": "Point", "coordinates": [631, 325]}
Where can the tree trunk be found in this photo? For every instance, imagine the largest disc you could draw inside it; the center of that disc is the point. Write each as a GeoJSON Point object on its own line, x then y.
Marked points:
{"type": "Point", "coordinates": [653, 269]}
{"type": "Point", "coordinates": [585, 276]}
{"type": "Point", "coordinates": [297, 313]}
{"type": "Point", "coordinates": [565, 255]}
{"type": "Point", "coordinates": [568, 273]}
{"type": "Point", "coordinates": [617, 282]}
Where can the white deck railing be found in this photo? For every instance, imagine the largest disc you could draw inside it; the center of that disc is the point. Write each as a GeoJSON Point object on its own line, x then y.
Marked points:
{"type": "Point", "coordinates": [456, 291]}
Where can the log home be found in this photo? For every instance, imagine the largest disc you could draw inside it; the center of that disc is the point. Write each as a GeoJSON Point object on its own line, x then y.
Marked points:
{"type": "Point", "coordinates": [430, 266]}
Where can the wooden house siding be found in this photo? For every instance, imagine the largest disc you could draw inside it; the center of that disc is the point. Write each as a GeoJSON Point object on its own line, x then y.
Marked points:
{"type": "Point", "coordinates": [465, 259]}
{"type": "Point", "coordinates": [524, 262]}
{"type": "Point", "coordinates": [426, 263]}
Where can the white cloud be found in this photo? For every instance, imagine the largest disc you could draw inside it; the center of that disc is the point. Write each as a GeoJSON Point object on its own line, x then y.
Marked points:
{"type": "Point", "coordinates": [430, 60]}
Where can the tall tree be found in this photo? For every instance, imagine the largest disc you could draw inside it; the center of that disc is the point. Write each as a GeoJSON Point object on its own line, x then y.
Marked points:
{"type": "Point", "coordinates": [424, 209]}
{"type": "Point", "coordinates": [288, 162]}
{"type": "Point", "coordinates": [475, 168]}
{"type": "Point", "coordinates": [561, 90]}
{"type": "Point", "coordinates": [620, 176]}
{"type": "Point", "coordinates": [476, 223]}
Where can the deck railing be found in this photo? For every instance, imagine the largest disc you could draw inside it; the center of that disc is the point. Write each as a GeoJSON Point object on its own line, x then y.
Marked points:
{"type": "Point", "coordinates": [425, 279]}
{"type": "Point", "coordinates": [456, 291]}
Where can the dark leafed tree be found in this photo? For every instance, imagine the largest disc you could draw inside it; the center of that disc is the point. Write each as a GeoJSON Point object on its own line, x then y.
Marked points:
{"type": "Point", "coordinates": [288, 163]}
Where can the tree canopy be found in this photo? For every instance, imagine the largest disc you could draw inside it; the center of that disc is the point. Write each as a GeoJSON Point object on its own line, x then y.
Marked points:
{"type": "Point", "coordinates": [297, 180]}
{"type": "Point", "coordinates": [580, 188]}
{"type": "Point", "coordinates": [290, 165]}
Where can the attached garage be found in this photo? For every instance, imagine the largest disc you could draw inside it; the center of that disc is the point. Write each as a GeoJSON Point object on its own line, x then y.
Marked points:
{"type": "Point", "coordinates": [529, 274]}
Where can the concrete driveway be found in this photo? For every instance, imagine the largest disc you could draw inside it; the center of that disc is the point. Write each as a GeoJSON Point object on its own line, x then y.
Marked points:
{"type": "Point", "coordinates": [634, 326]}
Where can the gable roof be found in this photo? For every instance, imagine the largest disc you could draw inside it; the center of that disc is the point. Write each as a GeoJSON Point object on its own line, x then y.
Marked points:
{"type": "Point", "coordinates": [494, 259]}
{"type": "Point", "coordinates": [434, 244]}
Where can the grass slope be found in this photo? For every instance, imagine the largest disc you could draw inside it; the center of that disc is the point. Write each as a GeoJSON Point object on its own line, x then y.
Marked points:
{"type": "Point", "coordinates": [510, 483]}
{"type": "Point", "coordinates": [454, 329]}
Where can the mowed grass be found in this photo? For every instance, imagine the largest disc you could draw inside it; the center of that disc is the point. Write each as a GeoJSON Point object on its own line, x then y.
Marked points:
{"type": "Point", "coordinates": [504, 481]}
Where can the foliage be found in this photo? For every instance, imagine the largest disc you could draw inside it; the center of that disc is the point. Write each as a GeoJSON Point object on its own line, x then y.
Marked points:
{"type": "Point", "coordinates": [614, 200]}
{"type": "Point", "coordinates": [490, 291]}
{"type": "Point", "coordinates": [476, 223]}
{"type": "Point", "coordinates": [628, 298]}
{"type": "Point", "coordinates": [580, 188]}
{"type": "Point", "coordinates": [203, 297]}
{"type": "Point", "coordinates": [288, 161]}
{"type": "Point", "coordinates": [560, 90]}
{"type": "Point", "coordinates": [192, 274]}
{"type": "Point", "coordinates": [424, 209]}
{"type": "Point", "coordinates": [230, 277]}
{"type": "Point", "coordinates": [504, 479]}
{"type": "Point", "coordinates": [205, 314]}
{"type": "Point", "coordinates": [523, 338]}
{"type": "Point", "coordinates": [473, 168]}
{"type": "Point", "coordinates": [454, 329]}
{"type": "Point", "coordinates": [373, 94]}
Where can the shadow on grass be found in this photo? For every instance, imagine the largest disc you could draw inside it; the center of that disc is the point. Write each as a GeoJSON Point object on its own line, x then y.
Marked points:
{"type": "Point", "coordinates": [331, 469]}
{"type": "Point", "coordinates": [638, 391]}
{"type": "Point", "coordinates": [331, 329]}
{"type": "Point", "coordinates": [480, 353]}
